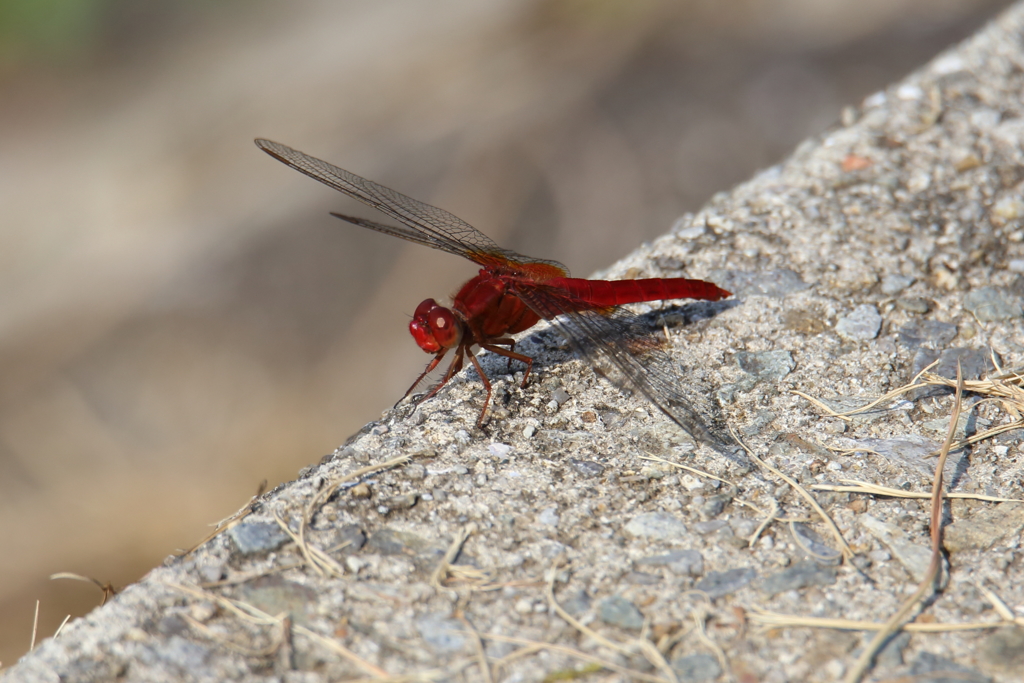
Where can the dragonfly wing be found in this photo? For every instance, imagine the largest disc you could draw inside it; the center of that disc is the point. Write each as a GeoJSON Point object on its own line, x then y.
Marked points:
{"type": "Point", "coordinates": [393, 230]}
{"type": "Point", "coordinates": [621, 346]}
{"type": "Point", "coordinates": [425, 224]}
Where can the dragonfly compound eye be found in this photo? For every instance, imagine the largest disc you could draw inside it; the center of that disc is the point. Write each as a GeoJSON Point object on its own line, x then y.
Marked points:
{"type": "Point", "coordinates": [446, 329]}
{"type": "Point", "coordinates": [434, 327]}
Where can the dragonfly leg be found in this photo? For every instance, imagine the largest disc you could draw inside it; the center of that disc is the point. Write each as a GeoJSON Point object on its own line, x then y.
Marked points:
{"type": "Point", "coordinates": [453, 367]}
{"type": "Point", "coordinates": [430, 367]}
{"type": "Point", "coordinates": [511, 356]}
{"type": "Point", "coordinates": [487, 384]}
{"type": "Point", "coordinates": [510, 343]}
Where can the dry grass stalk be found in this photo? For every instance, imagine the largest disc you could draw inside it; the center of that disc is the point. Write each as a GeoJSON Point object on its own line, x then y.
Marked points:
{"type": "Point", "coordinates": [855, 486]}
{"type": "Point", "coordinates": [35, 628]}
{"type": "Point", "coordinates": [439, 574]}
{"type": "Point", "coordinates": [804, 493]}
{"type": "Point", "coordinates": [420, 677]}
{"type": "Point", "coordinates": [775, 620]}
{"type": "Point", "coordinates": [915, 383]}
{"type": "Point", "coordinates": [772, 515]}
{"type": "Point", "coordinates": [1006, 388]}
{"type": "Point", "coordinates": [315, 557]}
{"type": "Point", "coordinates": [228, 522]}
{"type": "Point", "coordinates": [533, 646]}
{"type": "Point", "coordinates": [646, 647]}
{"type": "Point", "coordinates": [255, 615]}
{"type": "Point", "coordinates": [1001, 607]}
{"type": "Point", "coordinates": [324, 494]}
{"type": "Point", "coordinates": [270, 650]}
{"type": "Point", "coordinates": [801, 543]}
{"type": "Point", "coordinates": [700, 618]}
{"type": "Point", "coordinates": [478, 646]}
{"type": "Point", "coordinates": [108, 589]}
{"type": "Point", "coordinates": [692, 470]}
{"type": "Point", "coordinates": [56, 634]}
{"type": "Point", "coordinates": [867, 657]}
{"type": "Point", "coordinates": [702, 473]}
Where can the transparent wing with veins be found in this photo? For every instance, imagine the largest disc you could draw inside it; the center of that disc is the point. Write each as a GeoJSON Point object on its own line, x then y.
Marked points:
{"type": "Point", "coordinates": [620, 346]}
{"type": "Point", "coordinates": [424, 224]}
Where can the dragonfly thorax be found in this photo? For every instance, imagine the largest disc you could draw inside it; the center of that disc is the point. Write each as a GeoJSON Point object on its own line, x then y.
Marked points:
{"type": "Point", "coordinates": [435, 327]}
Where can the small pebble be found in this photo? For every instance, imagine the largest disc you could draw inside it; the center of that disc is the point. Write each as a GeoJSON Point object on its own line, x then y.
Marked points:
{"type": "Point", "coordinates": [202, 611]}
{"type": "Point", "coordinates": [500, 451]}
{"type": "Point", "coordinates": [983, 529]}
{"type": "Point", "coordinates": [1007, 209]}
{"type": "Point", "coordinates": [402, 502]}
{"type": "Point", "coordinates": [704, 528]}
{"type": "Point", "coordinates": [256, 537]}
{"type": "Point", "coordinates": [947, 64]}
{"type": "Point", "coordinates": [914, 557]}
{"type": "Point", "coordinates": [932, 333]}
{"type": "Point", "coordinates": [812, 544]}
{"type": "Point", "coordinates": [415, 472]}
{"type": "Point", "coordinates": [441, 632]}
{"type": "Point", "coordinates": [641, 578]}
{"type": "Point", "coordinates": [714, 505]}
{"type": "Point", "coordinates": [211, 573]}
{"type": "Point", "coordinates": [992, 304]}
{"type": "Point", "coordinates": [909, 91]}
{"type": "Point", "coordinates": [1005, 649]}
{"type": "Point", "coordinates": [944, 671]}
{"type": "Point", "coordinates": [894, 284]}
{"type": "Point", "coordinates": [892, 654]}
{"type": "Point", "coordinates": [529, 431]}
{"type": "Point", "coordinates": [656, 525]}
{"type": "Point", "coordinates": [766, 365]}
{"type": "Point", "coordinates": [393, 542]}
{"type": "Point", "coordinates": [914, 304]}
{"type": "Point", "coordinates": [861, 324]}
{"type": "Point", "coordinates": [360, 490]}
{"type": "Point", "coordinates": [743, 526]}
{"type": "Point", "coordinates": [618, 611]}
{"type": "Point", "coordinates": [549, 516]}
{"type": "Point", "coordinates": [588, 468]}
{"type": "Point", "coordinates": [800, 575]}
{"type": "Point", "coordinates": [717, 584]}
{"type": "Point", "coordinates": [919, 181]}
{"type": "Point", "coordinates": [576, 603]}
{"type": "Point", "coordinates": [697, 667]}
{"type": "Point", "coordinates": [682, 562]}
{"type": "Point", "coordinates": [684, 232]}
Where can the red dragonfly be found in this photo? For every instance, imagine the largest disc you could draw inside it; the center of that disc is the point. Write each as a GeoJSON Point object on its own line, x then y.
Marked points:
{"type": "Point", "coordinates": [513, 292]}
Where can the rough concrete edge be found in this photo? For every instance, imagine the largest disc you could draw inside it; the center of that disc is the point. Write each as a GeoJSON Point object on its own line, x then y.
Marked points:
{"type": "Point", "coordinates": [87, 637]}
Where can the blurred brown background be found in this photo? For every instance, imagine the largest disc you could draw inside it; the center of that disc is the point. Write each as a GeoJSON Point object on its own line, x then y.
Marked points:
{"type": "Point", "coordinates": [179, 316]}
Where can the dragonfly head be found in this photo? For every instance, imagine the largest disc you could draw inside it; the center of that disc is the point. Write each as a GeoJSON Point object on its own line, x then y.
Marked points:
{"type": "Point", "coordinates": [435, 327]}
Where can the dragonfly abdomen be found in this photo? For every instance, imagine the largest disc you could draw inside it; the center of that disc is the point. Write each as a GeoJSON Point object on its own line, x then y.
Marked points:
{"type": "Point", "coordinates": [607, 293]}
